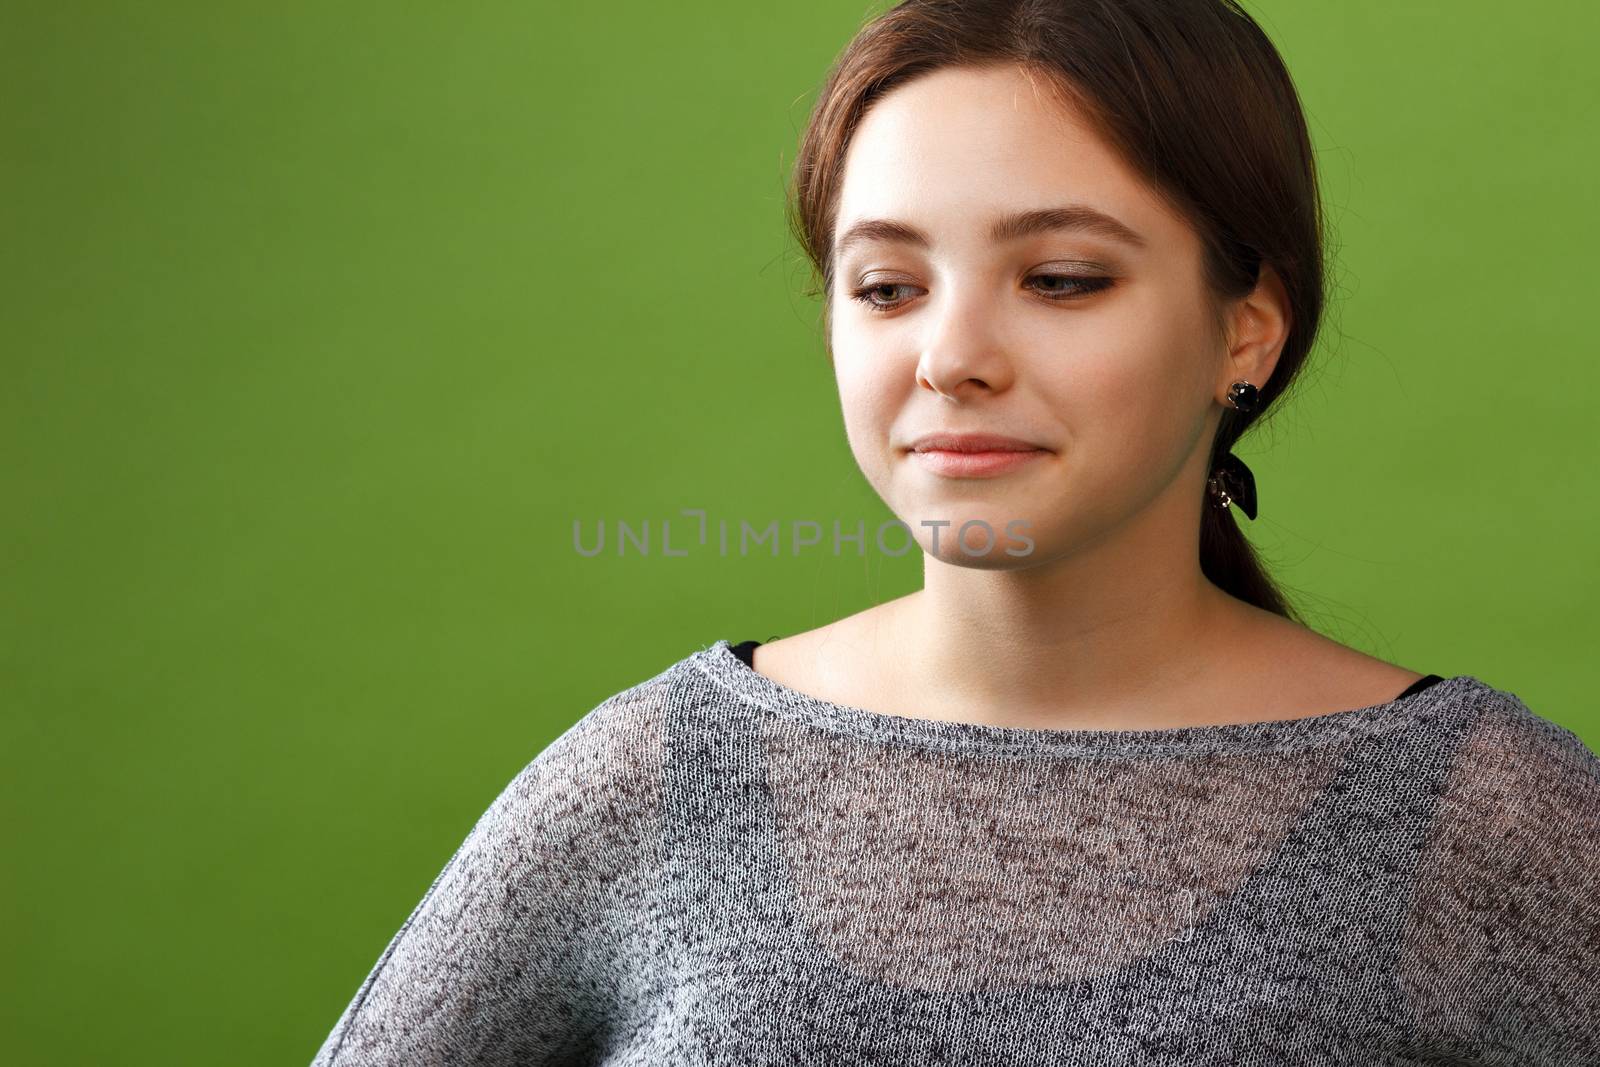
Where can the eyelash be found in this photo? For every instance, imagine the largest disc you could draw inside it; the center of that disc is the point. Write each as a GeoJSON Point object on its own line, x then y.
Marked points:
{"type": "Point", "coordinates": [1088, 286]}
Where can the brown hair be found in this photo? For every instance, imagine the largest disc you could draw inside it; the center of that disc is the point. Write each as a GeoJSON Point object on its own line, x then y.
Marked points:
{"type": "Point", "coordinates": [1191, 94]}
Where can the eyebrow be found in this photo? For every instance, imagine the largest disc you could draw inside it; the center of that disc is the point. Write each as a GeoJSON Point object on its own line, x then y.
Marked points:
{"type": "Point", "coordinates": [1079, 217]}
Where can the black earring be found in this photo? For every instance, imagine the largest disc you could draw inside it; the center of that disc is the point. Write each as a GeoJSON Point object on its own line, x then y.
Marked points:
{"type": "Point", "coordinates": [1232, 482]}
{"type": "Point", "coordinates": [1243, 395]}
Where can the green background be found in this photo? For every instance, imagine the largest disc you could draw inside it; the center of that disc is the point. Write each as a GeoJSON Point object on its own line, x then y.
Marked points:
{"type": "Point", "coordinates": [323, 321]}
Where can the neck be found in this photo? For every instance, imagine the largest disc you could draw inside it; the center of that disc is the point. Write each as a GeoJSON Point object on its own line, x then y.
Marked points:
{"type": "Point", "coordinates": [1125, 628]}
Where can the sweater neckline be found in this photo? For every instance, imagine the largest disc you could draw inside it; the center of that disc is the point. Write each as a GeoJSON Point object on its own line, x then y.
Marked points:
{"type": "Point", "coordinates": [1441, 700]}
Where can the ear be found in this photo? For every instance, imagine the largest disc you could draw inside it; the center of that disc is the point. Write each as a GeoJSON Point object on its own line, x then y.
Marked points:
{"type": "Point", "coordinates": [1258, 325]}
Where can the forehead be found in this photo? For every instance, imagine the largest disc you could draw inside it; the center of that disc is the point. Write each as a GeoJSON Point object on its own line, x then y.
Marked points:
{"type": "Point", "coordinates": [962, 146]}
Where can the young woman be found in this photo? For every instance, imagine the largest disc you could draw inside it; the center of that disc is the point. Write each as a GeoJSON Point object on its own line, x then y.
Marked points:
{"type": "Point", "coordinates": [1093, 795]}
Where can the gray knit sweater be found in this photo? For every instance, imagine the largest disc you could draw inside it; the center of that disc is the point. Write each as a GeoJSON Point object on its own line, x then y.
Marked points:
{"type": "Point", "coordinates": [713, 868]}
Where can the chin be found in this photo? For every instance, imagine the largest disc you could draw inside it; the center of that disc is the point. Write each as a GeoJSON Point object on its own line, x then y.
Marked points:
{"type": "Point", "coordinates": [995, 561]}
{"type": "Point", "coordinates": [991, 539]}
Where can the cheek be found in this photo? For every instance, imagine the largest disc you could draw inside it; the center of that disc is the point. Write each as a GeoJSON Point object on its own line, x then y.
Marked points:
{"type": "Point", "coordinates": [1129, 399]}
{"type": "Point", "coordinates": [871, 379]}
{"type": "Point", "coordinates": [869, 400]}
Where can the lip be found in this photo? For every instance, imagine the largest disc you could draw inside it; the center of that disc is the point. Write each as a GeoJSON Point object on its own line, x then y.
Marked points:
{"type": "Point", "coordinates": [975, 464]}
{"type": "Point", "coordinates": [976, 455]}
{"type": "Point", "coordinates": [971, 442]}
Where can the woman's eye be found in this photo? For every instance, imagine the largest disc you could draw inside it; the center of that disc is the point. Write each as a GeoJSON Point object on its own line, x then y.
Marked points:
{"type": "Point", "coordinates": [1082, 285]}
{"type": "Point", "coordinates": [866, 295]}
{"type": "Point", "coordinates": [1074, 287]}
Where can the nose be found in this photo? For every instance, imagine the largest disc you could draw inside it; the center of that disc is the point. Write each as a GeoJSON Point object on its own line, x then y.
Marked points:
{"type": "Point", "coordinates": [964, 355]}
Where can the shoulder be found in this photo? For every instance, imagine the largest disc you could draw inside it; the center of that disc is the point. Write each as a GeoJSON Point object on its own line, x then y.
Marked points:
{"type": "Point", "coordinates": [842, 661]}
{"type": "Point", "coordinates": [586, 804]}
{"type": "Point", "coordinates": [1517, 770]}
{"type": "Point", "coordinates": [523, 921]}
{"type": "Point", "coordinates": [609, 758]}
{"type": "Point", "coordinates": [1310, 670]}
{"type": "Point", "coordinates": [1504, 926]}
{"type": "Point", "coordinates": [1520, 812]}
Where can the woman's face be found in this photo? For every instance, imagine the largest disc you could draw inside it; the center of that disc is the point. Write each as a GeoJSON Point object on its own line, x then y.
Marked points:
{"type": "Point", "coordinates": [1097, 348]}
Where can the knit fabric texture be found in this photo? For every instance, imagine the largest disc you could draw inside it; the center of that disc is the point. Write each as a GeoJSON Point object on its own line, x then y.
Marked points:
{"type": "Point", "coordinates": [711, 867]}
